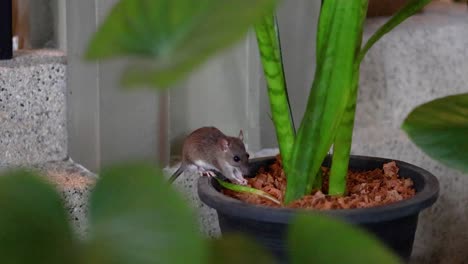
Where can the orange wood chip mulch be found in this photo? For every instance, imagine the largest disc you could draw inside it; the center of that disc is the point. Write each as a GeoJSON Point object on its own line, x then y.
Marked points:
{"type": "Point", "coordinates": [365, 189]}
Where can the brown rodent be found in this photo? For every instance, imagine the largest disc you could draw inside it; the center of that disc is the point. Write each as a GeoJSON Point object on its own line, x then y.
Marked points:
{"type": "Point", "coordinates": [207, 149]}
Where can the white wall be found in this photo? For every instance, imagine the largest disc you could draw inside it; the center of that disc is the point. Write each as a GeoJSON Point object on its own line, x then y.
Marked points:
{"type": "Point", "coordinates": [219, 94]}
{"type": "Point", "coordinates": [107, 124]}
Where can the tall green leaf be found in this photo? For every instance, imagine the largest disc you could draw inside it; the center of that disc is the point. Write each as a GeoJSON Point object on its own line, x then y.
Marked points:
{"type": "Point", "coordinates": [329, 94]}
{"type": "Point", "coordinates": [136, 217]}
{"type": "Point", "coordinates": [440, 128]}
{"type": "Point", "coordinates": [407, 11]}
{"type": "Point", "coordinates": [34, 227]}
{"type": "Point", "coordinates": [171, 37]}
{"type": "Point", "coordinates": [237, 249]}
{"type": "Point", "coordinates": [270, 54]}
{"type": "Point", "coordinates": [342, 142]}
{"type": "Point", "coordinates": [327, 12]}
{"type": "Point", "coordinates": [344, 135]}
{"type": "Point", "coordinates": [342, 145]}
{"type": "Point", "coordinates": [319, 239]}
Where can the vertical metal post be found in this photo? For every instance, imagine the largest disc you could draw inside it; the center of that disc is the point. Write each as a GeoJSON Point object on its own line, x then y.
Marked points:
{"type": "Point", "coordinates": [6, 34]}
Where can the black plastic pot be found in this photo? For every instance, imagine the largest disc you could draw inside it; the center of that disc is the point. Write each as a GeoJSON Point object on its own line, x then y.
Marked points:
{"type": "Point", "coordinates": [394, 224]}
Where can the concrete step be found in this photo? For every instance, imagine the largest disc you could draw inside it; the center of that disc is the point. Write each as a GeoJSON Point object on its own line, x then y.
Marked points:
{"type": "Point", "coordinates": [33, 108]}
{"type": "Point", "coordinates": [73, 182]}
{"type": "Point", "coordinates": [33, 130]}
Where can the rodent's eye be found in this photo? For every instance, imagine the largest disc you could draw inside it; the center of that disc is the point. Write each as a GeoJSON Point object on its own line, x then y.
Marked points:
{"type": "Point", "coordinates": [236, 158]}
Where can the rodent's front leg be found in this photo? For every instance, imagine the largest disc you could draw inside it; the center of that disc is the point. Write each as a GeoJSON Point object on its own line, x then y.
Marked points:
{"type": "Point", "coordinates": [204, 172]}
{"type": "Point", "coordinates": [234, 174]}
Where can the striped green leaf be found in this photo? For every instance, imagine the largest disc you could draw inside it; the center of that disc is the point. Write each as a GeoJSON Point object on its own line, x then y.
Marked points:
{"type": "Point", "coordinates": [270, 54]}
{"type": "Point", "coordinates": [329, 94]}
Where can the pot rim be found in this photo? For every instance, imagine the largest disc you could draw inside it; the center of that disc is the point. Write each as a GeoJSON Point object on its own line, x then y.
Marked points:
{"type": "Point", "coordinates": [423, 198]}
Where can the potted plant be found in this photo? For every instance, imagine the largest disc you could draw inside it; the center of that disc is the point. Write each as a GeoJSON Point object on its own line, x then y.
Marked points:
{"type": "Point", "coordinates": [183, 34]}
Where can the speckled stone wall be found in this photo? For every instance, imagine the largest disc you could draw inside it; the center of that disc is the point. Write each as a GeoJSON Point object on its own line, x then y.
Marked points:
{"type": "Point", "coordinates": [423, 59]}
{"type": "Point", "coordinates": [33, 108]}
{"type": "Point", "coordinates": [74, 183]}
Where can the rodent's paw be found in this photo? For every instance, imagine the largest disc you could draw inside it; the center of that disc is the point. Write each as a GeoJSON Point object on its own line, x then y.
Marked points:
{"type": "Point", "coordinates": [242, 181]}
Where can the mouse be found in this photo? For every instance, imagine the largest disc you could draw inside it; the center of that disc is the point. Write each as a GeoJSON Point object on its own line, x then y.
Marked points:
{"type": "Point", "coordinates": [208, 151]}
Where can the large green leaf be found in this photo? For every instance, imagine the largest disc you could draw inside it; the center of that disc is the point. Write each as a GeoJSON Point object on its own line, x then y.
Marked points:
{"type": "Point", "coordinates": [319, 239]}
{"type": "Point", "coordinates": [440, 128]}
{"type": "Point", "coordinates": [237, 249]}
{"type": "Point", "coordinates": [172, 37]}
{"type": "Point", "coordinates": [136, 217]}
{"type": "Point", "coordinates": [33, 224]}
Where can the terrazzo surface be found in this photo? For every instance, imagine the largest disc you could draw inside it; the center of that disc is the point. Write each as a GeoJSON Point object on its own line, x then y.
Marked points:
{"type": "Point", "coordinates": [73, 182]}
{"type": "Point", "coordinates": [423, 59]}
{"type": "Point", "coordinates": [33, 108]}
{"type": "Point", "coordinates": [441, 236]}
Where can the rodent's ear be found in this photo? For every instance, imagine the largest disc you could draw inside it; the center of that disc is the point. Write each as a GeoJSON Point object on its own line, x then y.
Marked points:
{"type": "Point", "coordinates": [241, 135]}
{"type": "Point", "coordinates": [224, 144]}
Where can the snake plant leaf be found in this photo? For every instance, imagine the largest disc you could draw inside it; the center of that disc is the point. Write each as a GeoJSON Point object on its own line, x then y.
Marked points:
{"type": "Point", "coordinates": [246, 189]}
{"type": "Point", "coordinates": [440, 129]}
{"type": "Point", "coordinates": [344, 135]}
{"type": "Point", "coordinates": [33, 223]}
{"type": "Point", "coordinates": [269, 46]}
{"type": "Point", "coordinates": [329, 94]}
{"type": "Point", "coordinates": [136, 217]}
{"type": "Point", "coordinates": [236, 249]}
{"type": "Point", "coordinates": [332, 241]}
{"type": "Point", "coordinates": [171, 37]}
{"type": "Point", "coordinates": [407, 11]}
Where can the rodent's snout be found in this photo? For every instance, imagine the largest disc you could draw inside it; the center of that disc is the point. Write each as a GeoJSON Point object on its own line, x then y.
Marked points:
{"type": "Point", "coordinates": [246, 171]}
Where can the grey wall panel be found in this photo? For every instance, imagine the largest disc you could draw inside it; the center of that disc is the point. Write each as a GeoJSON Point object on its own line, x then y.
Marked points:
{"type": "Point", "coordinates": [214, 95]}
{"type": "Point", "coordinates": [82, 84]}
{"type": "Point", "coordinates": [129, 121]}
{"type": "Point", "coordinates": [108, 124]}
